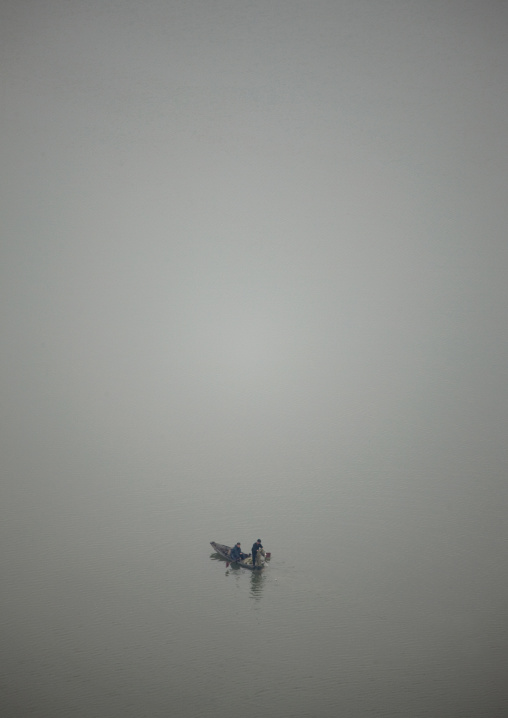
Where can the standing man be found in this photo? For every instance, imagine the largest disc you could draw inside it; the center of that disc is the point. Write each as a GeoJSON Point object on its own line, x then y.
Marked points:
{"type": "Point", "coordinates": [255, 548]}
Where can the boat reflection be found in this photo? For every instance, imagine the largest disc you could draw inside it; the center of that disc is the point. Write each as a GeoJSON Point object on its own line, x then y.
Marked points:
{"type": "Point", "coordinates": [257, 578]}
{"type": "Point", "coordinates": [256, 585]}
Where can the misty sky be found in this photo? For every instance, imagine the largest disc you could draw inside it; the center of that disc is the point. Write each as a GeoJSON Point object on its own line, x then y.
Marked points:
{"type": "Point", "coordinates": [253, 229]}
{"type": "Point", "coordinates": [253, 282]}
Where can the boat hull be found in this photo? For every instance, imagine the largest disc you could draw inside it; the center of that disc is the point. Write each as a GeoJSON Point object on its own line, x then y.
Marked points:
{"type": "Point", "coordinates": [224, 550]}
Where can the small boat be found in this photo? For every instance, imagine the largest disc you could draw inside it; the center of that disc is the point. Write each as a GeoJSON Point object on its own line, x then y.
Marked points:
{"type": "Point", "coordinates": [223, 551]}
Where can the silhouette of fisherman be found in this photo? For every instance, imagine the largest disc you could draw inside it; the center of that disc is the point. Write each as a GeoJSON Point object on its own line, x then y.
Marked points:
{"type": "Point", "coordinates": [257, 548]}
{"type": "Point", "coordinates": [236, 553]}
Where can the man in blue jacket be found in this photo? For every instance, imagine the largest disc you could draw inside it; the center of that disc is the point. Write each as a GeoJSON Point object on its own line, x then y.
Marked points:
{"type": "Point", "coordinates": [236, 553]}
{"type": "Point", "coordinates": [258, 546]}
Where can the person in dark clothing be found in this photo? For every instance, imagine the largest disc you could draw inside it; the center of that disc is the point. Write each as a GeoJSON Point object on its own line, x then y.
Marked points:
{"type": "Point", "coordinates": [236, 553]}
{"type": "Point", "coordinates": [255, 548]}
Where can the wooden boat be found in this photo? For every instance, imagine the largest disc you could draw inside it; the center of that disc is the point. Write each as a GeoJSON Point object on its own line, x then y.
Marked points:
{"type": "Point", "coordinates": [223, 551]}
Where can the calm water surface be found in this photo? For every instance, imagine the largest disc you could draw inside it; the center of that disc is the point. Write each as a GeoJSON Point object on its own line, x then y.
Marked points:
{"type": "Point", "coordinates": [382, 597]}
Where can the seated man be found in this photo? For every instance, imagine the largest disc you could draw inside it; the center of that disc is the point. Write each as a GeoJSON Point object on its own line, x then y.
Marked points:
{"type": "Point", "coordinates": [236, 553]}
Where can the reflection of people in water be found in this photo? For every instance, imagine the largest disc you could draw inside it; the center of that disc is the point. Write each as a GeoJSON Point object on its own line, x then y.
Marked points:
{"type": "Point", "coordinates": [256, 584]}
{"type": "Point", "coordinates": [236, 553]}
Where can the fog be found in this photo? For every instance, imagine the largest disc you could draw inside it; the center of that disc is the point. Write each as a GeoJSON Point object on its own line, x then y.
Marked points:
{"type": "Point", "coordinates": [261, 245]}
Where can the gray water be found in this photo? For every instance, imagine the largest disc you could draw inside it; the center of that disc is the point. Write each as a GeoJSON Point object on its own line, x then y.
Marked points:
{"type": "Point", "coordinates": [253, 284]}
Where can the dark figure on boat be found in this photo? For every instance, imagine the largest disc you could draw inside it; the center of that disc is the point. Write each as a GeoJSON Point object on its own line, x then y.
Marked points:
{"type": "Point", "coordinates": [236, 553]}
{"type": "Point", "coordinates": [257, 548]}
